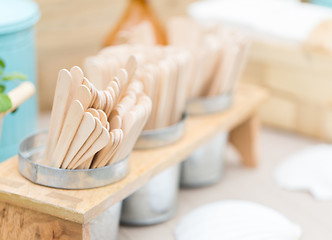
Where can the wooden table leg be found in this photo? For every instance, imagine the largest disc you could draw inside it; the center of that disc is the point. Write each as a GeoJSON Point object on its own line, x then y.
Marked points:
{"type": "Point", "coordinates": [245, 139]}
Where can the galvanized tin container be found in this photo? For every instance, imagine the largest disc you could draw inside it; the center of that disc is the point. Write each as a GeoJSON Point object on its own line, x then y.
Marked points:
{"type": "Point", "coordinates": [208, 105]}
{"type": "Point", "coordinates": [161, 137]}
{"type": "Point", "coordinates": [205, 165]}
{"type": "Point", "coordinates": [31, 151]}
{"type": "Point", "coordinates": [156, 201]}
{"type": "Point", "coordinates": [106, 225]}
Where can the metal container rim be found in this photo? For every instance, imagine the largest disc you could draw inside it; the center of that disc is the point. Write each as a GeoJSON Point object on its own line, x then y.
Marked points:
{"type": "Point", "coordinates": [61, 169]}
{"type": "Point", "coordinates": [164, 129]}
{"type": "Point", "coordinates": [208, 98]}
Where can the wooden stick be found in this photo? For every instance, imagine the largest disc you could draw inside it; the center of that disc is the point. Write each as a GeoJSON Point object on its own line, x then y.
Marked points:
{"type": "Point", "coordinates": [103, 139]}
{"type": "Point", "coordinates": [70, 126]}
{"type": "Point", "coordinates": [58, 114]}
{"type": "Point", "coordinates": [85, 129]}
{"type": "Point", "coordinates": [87, 144]}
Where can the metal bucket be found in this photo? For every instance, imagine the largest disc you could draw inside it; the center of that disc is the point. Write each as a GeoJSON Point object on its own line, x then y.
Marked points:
{"type": "Point", "coordinates": [156, 201]}
{"type": "Point", "coordinates": [205, 165]}
{"type": "Point", "coordinates": [31, 151]}
{"type": "Point", "coordinates": [106, 225]}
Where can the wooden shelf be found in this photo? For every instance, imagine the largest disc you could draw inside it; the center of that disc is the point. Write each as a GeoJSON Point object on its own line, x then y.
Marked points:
{"type": "Point", "coordinates": [80, 206]}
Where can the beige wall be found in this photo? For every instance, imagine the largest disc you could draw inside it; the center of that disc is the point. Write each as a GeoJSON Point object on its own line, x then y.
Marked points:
{"type": "Point", "coordinates": [71, 30]}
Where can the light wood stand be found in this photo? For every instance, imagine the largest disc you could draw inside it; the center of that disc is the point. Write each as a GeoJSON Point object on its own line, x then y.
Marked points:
{"type": "Point", "coordinates": [30, 211]}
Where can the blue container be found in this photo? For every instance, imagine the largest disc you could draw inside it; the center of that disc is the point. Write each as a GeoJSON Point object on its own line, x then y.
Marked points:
{"type": "Point", "coordinates": [17, 49]}
{"type": "Point", "coordinates": [326, 3]}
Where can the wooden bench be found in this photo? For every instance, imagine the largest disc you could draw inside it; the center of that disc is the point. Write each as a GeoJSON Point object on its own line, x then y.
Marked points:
{"type": "Point", "coordinates": [30, 211]}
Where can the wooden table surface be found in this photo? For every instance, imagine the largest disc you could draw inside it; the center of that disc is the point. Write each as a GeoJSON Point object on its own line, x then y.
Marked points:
{"type": "Point", "coordinates": [82, 205]}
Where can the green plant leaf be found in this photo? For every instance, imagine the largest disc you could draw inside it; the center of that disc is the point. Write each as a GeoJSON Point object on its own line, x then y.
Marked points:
{"type": "Point", "coordinates": [2, 88]}
{"type": "Point", "coordinates": [5, 102]}
{"type": "Point", "coordinates": [14, 76]}
{"type": "Point", "coordinates": [2, 64]}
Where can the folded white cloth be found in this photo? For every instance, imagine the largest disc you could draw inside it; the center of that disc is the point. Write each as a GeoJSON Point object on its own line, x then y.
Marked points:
{"type": "Point", "coordinates": [236, 220]}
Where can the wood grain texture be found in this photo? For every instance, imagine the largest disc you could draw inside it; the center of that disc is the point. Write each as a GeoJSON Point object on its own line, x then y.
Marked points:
{"type": "Point", "coordinates": [83, 205]}
{"type": "Point", "coordinates": [70, 31]}
{"type": "Point", "coordinates": [23, 224]}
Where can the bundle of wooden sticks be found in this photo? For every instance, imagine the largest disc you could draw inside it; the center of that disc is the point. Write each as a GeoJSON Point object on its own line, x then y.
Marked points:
{"type": "Point", "coordinates": [218, 55]}
{"type": "Point", "coordinates": [163, 71]}
{"type": "Point", "coordinates": [93, 127]}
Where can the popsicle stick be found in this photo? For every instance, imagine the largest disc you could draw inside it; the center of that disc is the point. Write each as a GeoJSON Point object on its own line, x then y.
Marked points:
{"type": "Point", "coordinates": [58, 112]}
{"type": "Point", "coordinates": [109, 158]}
{"type": "Point", "coordinates": [131, 67]}
{"type": "Point", "coordinates": [103, 139]}
{"type": "Point", "coordinates": [108, 154]}
{"type": "Point", "coordinates": [170, 107]}
{"type": "Point", "coordinates": [97, 103]}
{"type": "Point", "coordinates": [133, 124]}
{"type": "Point", "coordinates": [127, 102]}
{"type": "Point", "coordinates": [181, 88]}
{"type": "Point", "coordinates": [114, 85]}
{"type": "Point", "coordinates": [102, 117]}
{"type": "Point", "coordinates": [94, 72]}
{"type": "Point", "coordinates": [94, 112]}
{"type": "Point", "coordinates": [116, 122]}
{"type": "Point", "coordinates": [123, 77]}
{"type": "Point", "coordinates": [163, 94]}
{"type": "Point", "coordinates": [70, 126]}
{"type": "Point", "coordinates": [109, 103]}
{"type": "Point", "coordinates": [77, 80]}
{"type": "Point", "coordinates": [87, 144]}
{"type": "Point", "coordinates": [87, 163]}
{"type": "Point", "coordinates": [136, 86]}
{"type": "Point", "coordinates": [98, 158]}
{"type": "Point", "coordinates": [92, 88]}
{"type": "Point", "coordinates": [85, 129]}
{"type": "Point", "coordinates": [241, 64]}
{"type": "Point", "coordinates": [83, 94]}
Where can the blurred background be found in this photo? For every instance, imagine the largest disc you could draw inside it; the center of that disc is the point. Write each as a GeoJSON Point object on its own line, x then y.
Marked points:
{"type": "Point", "coordinates": [289, 55]}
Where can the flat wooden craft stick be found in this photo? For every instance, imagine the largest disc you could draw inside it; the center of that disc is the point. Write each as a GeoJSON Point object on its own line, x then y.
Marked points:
{"type": "Point", "coordinates": [85, 129]}
{"type": "Point", "coordinates": [103, 152]}
{"type": "Point", "coordinates": [58, 112]}
{"type": "Point", "coordinates": [83, 94]}
{"type": "Point", "coordinates": [100, 143]}
{"type": "Point", "coordinates": [70, 126]}
{"type": "Point", "coordinates": [87, 144]}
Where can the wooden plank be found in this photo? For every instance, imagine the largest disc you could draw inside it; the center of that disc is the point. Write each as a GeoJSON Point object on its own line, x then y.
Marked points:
{"type": "Point", "coordinates": [83, 205]}
{"type": "Point", "coordinates": [24, 224]}
{"type": "Point", "coordinates": [245, 140]}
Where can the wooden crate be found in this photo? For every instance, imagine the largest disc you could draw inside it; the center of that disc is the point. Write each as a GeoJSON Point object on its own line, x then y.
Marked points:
{"type": "Point", "coordinates": [299, 79]}
{"type": "Point", "coordinates": [31, 211]}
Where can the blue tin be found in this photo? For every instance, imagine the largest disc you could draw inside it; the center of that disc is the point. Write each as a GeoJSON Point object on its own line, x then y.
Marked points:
{"type": "Point", "coordinates": [18, 50]}
{"type": "Point", "coordinates": [326, 3]}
